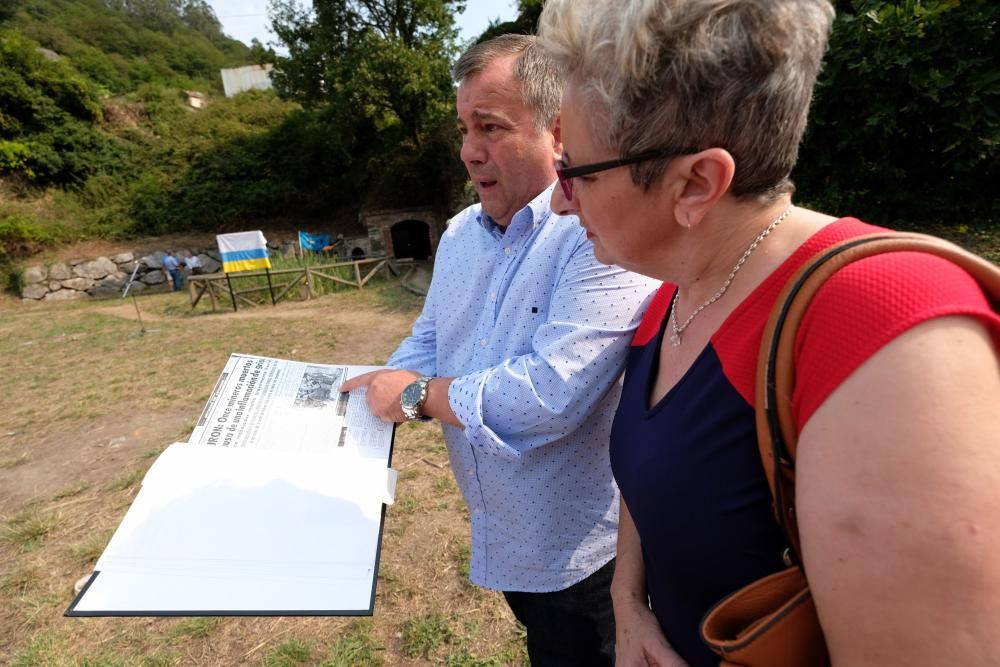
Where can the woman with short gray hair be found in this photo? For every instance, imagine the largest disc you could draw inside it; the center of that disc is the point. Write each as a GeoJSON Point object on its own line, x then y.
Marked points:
{"type": "Point", "coordinates": [681, 122]}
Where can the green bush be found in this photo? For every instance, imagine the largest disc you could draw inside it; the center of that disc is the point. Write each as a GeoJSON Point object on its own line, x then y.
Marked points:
{"type": "Point", "coordinates": [906, 119]}
{"type": "Point", "coordinates": [14, 157]}
{"type": "Point", "coordinates": [20, 237]}
{"type": "Point", "coordinates": [7, 9]}
{"type": "Point", "coordinates": [48, 130]}
{"type": "Point", "coordinates": [11, 278]}
{"type": "Point", "coordinates": [214, 168]}
{"type": "Point", "coordinates": [33, 87]}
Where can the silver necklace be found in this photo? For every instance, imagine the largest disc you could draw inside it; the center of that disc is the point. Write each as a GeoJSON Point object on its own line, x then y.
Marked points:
{"type": "Point", "coordinates": [675, 338]}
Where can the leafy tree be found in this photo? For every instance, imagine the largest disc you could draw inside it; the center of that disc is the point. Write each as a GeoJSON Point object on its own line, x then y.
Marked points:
{"type": "Point", "coordinates": [200, 17]}
{"type": "Point", "coordinates": [905, 125]}
{"type": "Point", "coordinates": [159, 15]}
{"type": "Point", "coordinates": [379, 71]}
{"type": "Point", "coordinates": [169, 15]}
{"type": "Point", "coordinates": [526, 22]}
{"type": "Point", "coordinates": [386, 59]}
{"type": "Point", "coordinates": [260, 54]}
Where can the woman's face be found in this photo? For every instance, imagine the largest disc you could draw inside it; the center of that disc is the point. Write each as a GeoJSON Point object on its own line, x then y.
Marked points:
{"type": "Point", "coordinates": [626, 223]}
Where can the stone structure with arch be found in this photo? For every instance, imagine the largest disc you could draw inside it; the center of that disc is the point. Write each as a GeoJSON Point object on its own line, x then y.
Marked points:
{"type": "Point", "coordinates": [404, 232]}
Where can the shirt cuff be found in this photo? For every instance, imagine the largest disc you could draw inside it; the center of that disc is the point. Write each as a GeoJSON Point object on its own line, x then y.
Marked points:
{"type": "Point", "coordinates": [465, 396]}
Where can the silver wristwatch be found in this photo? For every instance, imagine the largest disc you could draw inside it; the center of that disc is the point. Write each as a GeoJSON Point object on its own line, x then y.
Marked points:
{"type": "Point", "coordinates": [412, 399]}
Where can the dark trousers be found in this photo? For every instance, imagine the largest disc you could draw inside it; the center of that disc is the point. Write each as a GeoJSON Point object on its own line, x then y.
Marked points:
{"type": "Point", "coordinates": [176, 279]}
{"type": "Point", "coordinates": [574, 627]}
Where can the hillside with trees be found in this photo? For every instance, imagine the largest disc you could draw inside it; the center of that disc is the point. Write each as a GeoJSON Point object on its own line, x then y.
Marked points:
{"type": "Point", "coordinates": [96, 140]}
{"type": "Point", "coordinates": [91, 94]}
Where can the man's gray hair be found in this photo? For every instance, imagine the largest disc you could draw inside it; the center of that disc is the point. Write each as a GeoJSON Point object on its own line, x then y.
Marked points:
{"type": "Point", "coordinates": [733, 74]}
{"type": "Point", "coordinates": [541, 82]}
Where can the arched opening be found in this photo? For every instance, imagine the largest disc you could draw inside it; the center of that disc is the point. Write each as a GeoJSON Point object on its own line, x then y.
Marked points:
{"type": "Point", "coordinates": [358, 253]}
{"type": "Point", "coordinates": [411, 238]}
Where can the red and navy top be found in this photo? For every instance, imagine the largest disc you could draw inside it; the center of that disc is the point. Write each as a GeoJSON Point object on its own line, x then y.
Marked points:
{"type": "Point", "coordinates": [689, 468]}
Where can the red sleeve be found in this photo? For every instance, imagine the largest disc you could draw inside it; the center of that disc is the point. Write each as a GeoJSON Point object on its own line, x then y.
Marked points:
{"type": "Point", "coordinates": [869, 303]}
{"type": "Point", "coordinates": [653, 317]}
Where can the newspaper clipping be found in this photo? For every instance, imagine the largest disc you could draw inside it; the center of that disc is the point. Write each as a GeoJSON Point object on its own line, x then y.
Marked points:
{"type": "Point", "coordinates": [264, 403]}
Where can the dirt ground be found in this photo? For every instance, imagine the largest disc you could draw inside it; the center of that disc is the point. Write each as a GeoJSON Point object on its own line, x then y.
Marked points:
{"type": "Point", "coordinates": [102, 446]}
{"type": "Point", "coordinates": [89, 401]}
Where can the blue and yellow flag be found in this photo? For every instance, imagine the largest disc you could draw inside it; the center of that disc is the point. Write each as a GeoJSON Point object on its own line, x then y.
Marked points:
{"type": "Point", "coordinates": [314, 242]}
{"type": "Point", "coordinates": [243, 251]}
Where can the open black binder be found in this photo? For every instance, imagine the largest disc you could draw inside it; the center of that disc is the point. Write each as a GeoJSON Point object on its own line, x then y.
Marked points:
{"type": "Point", "coordinates": [274, 507]}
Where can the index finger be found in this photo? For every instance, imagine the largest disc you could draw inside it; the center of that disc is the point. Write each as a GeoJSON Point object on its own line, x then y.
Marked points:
{"type": "Point", "coordinates": [362, 380]}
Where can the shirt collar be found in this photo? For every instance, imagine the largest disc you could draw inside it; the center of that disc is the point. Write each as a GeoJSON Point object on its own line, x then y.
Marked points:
{"type": "Point", "coordinates": [538, 210]}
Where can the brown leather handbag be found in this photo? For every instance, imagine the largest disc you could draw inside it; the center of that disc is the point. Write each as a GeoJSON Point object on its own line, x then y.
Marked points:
{"type": "Point", "coordinates": [773, 622]}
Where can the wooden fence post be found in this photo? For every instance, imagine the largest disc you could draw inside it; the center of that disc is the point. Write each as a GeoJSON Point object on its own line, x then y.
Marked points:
{"type": "Point", "coordinates": [211, 292]}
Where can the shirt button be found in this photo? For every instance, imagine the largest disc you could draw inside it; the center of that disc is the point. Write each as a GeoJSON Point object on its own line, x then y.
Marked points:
{"type": "Point", "coordinates": [484, 342]}
{"type": "Point", "coordinates": [493, 296]}
{"type": "Point", "coordinates": [506, 251]}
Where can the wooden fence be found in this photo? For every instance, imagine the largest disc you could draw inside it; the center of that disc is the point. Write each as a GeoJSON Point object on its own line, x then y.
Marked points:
{"type": "Point", "coordinates": [218, 286]}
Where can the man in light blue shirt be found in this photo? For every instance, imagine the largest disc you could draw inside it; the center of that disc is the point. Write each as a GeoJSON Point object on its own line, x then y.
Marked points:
{"type": "Point", "coordinates": [518, 351]}
{"type": "Point", "coordinates": [172, 268]}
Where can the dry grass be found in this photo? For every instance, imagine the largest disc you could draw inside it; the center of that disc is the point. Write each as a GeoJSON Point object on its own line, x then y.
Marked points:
{"type": "Point", "coordinates": [87, 406]}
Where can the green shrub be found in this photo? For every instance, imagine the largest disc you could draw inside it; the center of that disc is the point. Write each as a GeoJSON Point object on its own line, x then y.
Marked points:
{"type": "Point", "coordinates": [48, 130]}
{"type": "Point", "coordinates": [33, 86]}
{"type": "Point", "coordinates": [906, 118]}
{"type": "Point", "coordinates": [21, 237]}
{"type": "Point", "coordinates": [14, 157]}
{"type": "Point", "coordinates": [213, 169]}
{"type": "Point", "coordinates": [7, 9]}
{"type": "Point", "coordinates": [11, 278]}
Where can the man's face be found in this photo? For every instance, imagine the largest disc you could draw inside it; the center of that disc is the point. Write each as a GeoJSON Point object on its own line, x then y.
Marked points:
{"type": "Point", "coordinates": [509, 161]}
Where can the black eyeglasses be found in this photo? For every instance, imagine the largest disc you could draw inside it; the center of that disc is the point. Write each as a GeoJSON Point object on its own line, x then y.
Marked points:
{"type": "Point", "coordinates": [567, 174]}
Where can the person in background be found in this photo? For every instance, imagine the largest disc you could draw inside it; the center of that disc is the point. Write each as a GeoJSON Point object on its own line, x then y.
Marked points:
{"type": "Point", "coordinates": [193, 264]}
{"type": "Point", "coordinates": [172, 268]}
{"type": "Point", "coordinates": [681, 123]}
{"type": "Point", "coordinates": [518, 351]}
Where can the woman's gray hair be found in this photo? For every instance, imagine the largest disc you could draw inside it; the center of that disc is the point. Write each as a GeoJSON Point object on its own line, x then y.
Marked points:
{"type": "Point", "coordinates": [541, 81]}
{"type": "Point", "coordinates": [733, 74]}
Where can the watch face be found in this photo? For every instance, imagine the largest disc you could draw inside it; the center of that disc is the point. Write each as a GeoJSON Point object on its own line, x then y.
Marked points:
{"type": "Point", "coordinates": [411, 394]}
{"type": "Point", "coordinates": [412, 398]}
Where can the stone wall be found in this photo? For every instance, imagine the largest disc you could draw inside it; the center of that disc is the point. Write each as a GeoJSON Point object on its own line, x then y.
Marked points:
{"type": "Point", "coordinates": [105, 277]}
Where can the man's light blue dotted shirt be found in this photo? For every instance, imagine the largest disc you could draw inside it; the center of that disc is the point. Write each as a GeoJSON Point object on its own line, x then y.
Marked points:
{"type": "Point", "coordinates": [535, 330]}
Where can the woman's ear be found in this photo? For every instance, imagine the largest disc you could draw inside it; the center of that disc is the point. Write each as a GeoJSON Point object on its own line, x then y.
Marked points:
{"type": "Point", "coordinates": [700, 180]}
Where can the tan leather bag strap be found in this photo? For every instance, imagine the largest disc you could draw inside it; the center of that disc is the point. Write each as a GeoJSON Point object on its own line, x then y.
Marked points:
{"type": "Point", "coordinates": [776, 432]}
